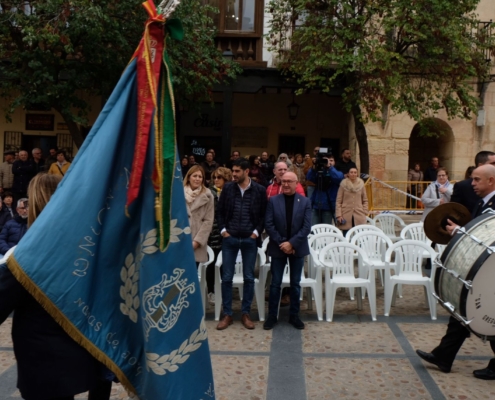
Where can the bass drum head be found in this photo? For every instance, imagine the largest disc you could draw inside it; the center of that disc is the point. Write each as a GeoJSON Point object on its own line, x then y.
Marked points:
{"type": "Point", "coordinates": [480, 303]}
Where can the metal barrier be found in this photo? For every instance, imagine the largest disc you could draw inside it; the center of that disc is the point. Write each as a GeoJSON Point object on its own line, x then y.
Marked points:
{"type": "Point", "coordinates": [382, 198]}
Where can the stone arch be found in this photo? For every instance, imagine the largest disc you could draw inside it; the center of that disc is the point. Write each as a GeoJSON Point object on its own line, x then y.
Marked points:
{"type": "Point", "coordinates": [441, 145]}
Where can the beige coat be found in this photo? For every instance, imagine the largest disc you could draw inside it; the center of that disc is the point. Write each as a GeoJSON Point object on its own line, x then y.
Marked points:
{"type": "Point", "coordinates": [201, 214]}
{"type": "Point", "coordinates": [351, 202]}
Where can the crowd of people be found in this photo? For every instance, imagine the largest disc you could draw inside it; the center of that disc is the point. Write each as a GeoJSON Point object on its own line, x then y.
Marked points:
{"type": "Point", "coordinates": [16, 173]}
{"type": "Point", "coordinates": [230, 207]}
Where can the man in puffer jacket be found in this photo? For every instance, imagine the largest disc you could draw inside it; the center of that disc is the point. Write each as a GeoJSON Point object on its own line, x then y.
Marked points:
{"type": "Point", "coordinates": [14, 230]}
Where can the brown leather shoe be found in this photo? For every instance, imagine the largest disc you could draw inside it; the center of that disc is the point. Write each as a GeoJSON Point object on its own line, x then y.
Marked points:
{"type": "Point", "coordinates": [225, 322]}
{"type": "Point", "coordinates": [246, 321]}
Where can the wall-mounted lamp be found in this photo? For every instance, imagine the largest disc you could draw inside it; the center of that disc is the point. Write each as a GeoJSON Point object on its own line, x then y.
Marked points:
{"type": "Point", "coordinates": [293, 109]}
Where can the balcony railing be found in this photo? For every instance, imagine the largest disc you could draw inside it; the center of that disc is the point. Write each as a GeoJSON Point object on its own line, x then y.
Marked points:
{"type": "Point", "coordinates": [247, 50]}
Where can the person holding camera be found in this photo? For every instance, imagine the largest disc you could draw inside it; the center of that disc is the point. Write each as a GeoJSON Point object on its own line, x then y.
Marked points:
{"type": "Point", "coordinates": [327, 180]}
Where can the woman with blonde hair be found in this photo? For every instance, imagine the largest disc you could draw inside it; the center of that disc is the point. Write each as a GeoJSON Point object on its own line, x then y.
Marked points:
{"type": "Point", "coordinates": [352, 203]}
{"type": "Point", "coordinates": [40, 190]}
{"type": "Point", "coordinates": [44, 352]}
{"type": "Point", "coordinates": [200, 210]}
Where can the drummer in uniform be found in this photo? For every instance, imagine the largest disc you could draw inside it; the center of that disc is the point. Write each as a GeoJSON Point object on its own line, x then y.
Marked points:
{"type": "Point", "coordinates": [483, 184]}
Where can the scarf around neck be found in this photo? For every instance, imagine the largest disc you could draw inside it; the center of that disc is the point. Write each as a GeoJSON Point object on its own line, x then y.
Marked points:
{"type": "Point", "coordinates": [190, 194]}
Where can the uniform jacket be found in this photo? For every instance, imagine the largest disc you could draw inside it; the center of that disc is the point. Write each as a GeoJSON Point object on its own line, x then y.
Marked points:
{"type": "Point", "coordinates": [6, 175]}
{"type": "Point", "coordinates": [12, 233]}
{"type": "Point", "coordinates": [276, 225]}
{"type": "Point", "coordinates": [49, 363]}
{"type": "Point", "coordinates": [464, 194]}
{"type": "Point", "coordinates": [201, 214]}
{"type": "Point", "coordinates": [352, 202]}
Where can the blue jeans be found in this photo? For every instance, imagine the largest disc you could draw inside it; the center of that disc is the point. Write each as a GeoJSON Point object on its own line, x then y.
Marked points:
{"type": "Point", "coordinates": [249, 250]}
{"type": "Point", "coordinates": [321, 217]}
{"type": "Point", "coordinates": [310, 190]}
{"type": "Point", "coordinates": [296, 265]}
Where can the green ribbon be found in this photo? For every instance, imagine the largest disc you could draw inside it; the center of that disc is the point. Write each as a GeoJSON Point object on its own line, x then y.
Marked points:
{"type": "Point", "coordinates": [168, 134]}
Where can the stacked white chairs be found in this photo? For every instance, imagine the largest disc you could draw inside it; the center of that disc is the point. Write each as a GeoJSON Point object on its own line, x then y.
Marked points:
{"type": "Point", "coordinates": [374, 244]}
{"type": "Point", "coordinates": [238, 282]}
{"type": "Point", "coordinates": [340, 257]}
{"type": "Point", "coordinates": [316, 285]}
{"type": "Point", "coordinates": [316, 243]}
{"type": "Point", "coordinates": [202, 274]}
{"type": "Point", "coordinates": [387, 223]}
{"type": "Point", "coordinates": [409, 256]}
{"type": "Point", "coordinates": [325, 228]}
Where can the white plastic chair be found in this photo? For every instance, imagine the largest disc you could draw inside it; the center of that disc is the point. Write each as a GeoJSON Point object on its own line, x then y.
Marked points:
{"type": "Point", "coordinates": [341, 256]}
{"type": "Point", "coordinates": [409, 256]}
{"type": "Point", "coordinates": [202, 274]}
{"type": "Point", "coordinates": [370, 221]}
{"type": "Point", "coordinates": [321, 228]}
{"type": "Point", "coordinates": [316, 285]}
{"type": "Point", "coordinates": [416, 231]}
{"type": "Point", "coordinates": [361, 228]}
{"type": "Point", "coordinates": [316, 243]}
{"type": "Point", "coordinates": [374, 244]}
{"type": "Point", "coordinates": [387, 223]}
{"type": "Point", "coordinates": [238, 282]}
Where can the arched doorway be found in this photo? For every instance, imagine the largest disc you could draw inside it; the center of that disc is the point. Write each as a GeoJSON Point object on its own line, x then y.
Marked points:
{"type": "Point", "coordinates": [439, 142]}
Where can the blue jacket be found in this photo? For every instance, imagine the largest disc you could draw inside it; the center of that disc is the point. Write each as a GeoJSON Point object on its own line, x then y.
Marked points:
{"type": "Point", "coordinates": [276, 225]}
{"type": "Point", "coordinates": [12, 233]}
{"type": "Point", "coordinates": [325, 199]}
{"type": "Point", "coordinates": [4, 217]}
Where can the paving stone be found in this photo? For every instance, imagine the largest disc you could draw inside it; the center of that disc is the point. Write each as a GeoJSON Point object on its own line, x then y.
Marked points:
{"type": "Point", "coordinates": [240, 377]}
{"type": "Point", "coordinates": [5, 333]}
{"type": "Point", "coordinates": [460, 383]}
{"type": "Point", "coordinates": [427, 336]}
{"type": "Point", "coordinates": [238, 338]}
{"type": "Point", "coordinates": [365, 338]}
{"type": "Point", "coordinates": [362, 379]}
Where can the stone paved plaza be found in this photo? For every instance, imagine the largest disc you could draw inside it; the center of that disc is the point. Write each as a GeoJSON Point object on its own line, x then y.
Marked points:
{"type": "Point", "coordinates": [349, 358]}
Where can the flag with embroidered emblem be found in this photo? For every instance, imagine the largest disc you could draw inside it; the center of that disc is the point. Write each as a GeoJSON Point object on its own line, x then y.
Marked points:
{"type": "Point", "coordinates": [110, 257]}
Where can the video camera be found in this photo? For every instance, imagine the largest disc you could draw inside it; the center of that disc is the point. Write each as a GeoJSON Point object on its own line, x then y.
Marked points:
{"type": "Point", "coordinates": [322, 158]}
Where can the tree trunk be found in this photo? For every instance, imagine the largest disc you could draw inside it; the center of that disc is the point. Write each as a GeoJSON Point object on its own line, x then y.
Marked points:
{"type": "Point", "coordinates": [74, 130]}
{"type": "Point", "coordinates": [362, 139]}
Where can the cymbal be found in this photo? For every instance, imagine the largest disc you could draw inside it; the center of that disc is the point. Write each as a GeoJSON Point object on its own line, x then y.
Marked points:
{"type": "Point", "coordinates": [436, 221]}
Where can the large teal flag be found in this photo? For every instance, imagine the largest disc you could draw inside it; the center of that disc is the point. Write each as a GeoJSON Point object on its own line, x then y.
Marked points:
{"type": "Point", "coordinates": [99, 270]}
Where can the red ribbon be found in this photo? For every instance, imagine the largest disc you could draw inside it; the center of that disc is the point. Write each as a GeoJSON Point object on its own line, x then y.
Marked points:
{"type": "Point", "coordinates": [149, 61]}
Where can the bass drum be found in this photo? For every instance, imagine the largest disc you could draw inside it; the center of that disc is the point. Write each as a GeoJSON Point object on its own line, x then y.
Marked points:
{"type": "Point", "coordinates": [473, 262]}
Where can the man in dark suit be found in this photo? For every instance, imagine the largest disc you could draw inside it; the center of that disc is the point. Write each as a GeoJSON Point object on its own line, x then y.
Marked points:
{"type": "Point", "coordinates": [288, 224]}
{"type": "Point", "coordinates": [463, 190]}
{"type": "Point", "coordinates": [483, 184]}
